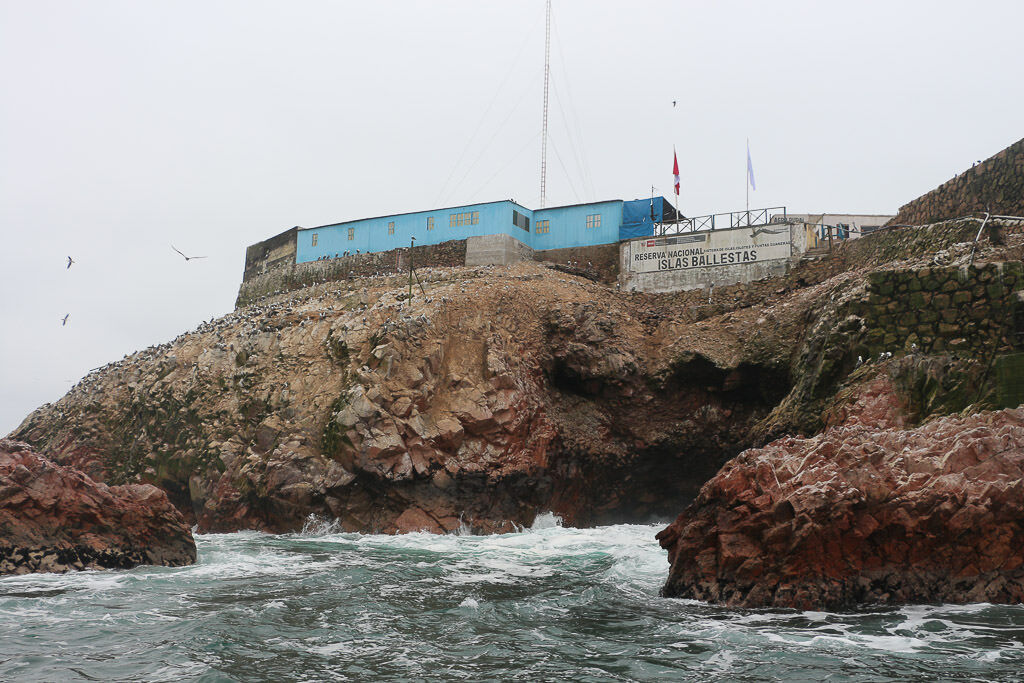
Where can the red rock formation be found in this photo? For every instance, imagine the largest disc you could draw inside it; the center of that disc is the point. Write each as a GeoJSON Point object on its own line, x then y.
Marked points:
{"type": "Point", "coordinates": [861, 515]}
{"type": "Point", "coordinates": [54, 518]}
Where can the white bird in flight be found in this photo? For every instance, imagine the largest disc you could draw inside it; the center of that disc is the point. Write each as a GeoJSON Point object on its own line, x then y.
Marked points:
{"type": "Point", "coordinates": [187, 258]}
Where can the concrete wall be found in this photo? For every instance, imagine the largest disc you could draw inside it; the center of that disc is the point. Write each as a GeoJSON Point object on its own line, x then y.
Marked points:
{"type": "Point", "coordinates": [496, 250]}
{"type": "Point", "coordinates": [269, 254]}
{"type": "Point", "coordinates": [712, 258]}
{"type": "Point", "coordinates": [681, 280]}
{"type": "Point", "coordinates": [996, 185]}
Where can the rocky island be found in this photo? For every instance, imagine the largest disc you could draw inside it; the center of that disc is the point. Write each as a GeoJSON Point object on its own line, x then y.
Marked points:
{"type": "Point", "coordinates": [844, 399]}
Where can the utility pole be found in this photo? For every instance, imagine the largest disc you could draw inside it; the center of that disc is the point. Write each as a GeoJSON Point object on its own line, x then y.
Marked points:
{"type": "Point", "coordinates": [654, 228]}
{"type": "Point", "coordinates": [544, 125]}
{"type": "Point", "coordinates": [412, 243]}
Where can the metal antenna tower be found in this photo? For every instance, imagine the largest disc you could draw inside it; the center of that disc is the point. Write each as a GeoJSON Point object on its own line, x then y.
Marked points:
{"type": "Point", "coordinates": [544, 126]}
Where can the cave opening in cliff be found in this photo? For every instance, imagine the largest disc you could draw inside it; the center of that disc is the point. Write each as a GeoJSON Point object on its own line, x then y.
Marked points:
{"type": "Point", "coordinates": [749, 384]}
{"type": "Point", "coordinates": [666, 435]}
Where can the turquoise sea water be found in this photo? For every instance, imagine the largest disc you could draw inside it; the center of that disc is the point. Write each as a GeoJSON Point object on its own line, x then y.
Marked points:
{"type": "Point", "coordinates": [545, 604]}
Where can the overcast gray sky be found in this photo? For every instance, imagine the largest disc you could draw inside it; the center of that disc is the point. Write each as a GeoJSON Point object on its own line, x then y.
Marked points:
{"type": "Point", "coordinates": [128, 126]}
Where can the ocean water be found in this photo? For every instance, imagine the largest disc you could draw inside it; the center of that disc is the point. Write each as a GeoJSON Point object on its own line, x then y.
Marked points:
{"type": "Point", "coordinates": [549, 603]}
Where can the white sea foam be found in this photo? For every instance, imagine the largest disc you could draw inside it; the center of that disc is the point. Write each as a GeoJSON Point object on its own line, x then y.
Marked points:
{"type": "Point", "coordinates": [546, 520]}
{"type": "Point", "coordinates": [721, 662]}
{"type": "Point", "coordinates": [320, 526]}
{"type": "Point", "coordinates": [363, 606]}
{"type": "Point", "coordinates": [329, 650]}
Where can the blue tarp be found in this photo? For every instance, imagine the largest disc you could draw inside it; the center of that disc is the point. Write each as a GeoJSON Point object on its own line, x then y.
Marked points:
{"type": "Point", "coordinates": [640, 215]}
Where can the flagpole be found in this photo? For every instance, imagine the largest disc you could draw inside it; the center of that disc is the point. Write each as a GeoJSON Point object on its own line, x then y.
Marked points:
{"type": "Point", "coordinates": [675, 160]}
{"type": "Point", "coordinates": [746, 180]}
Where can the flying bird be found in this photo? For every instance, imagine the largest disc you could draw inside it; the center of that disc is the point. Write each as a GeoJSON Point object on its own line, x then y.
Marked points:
{"type": "Point", "coordinates": [64, 320]}
{"type": "Point", "coordinates": [187, 258]}
{"type": "Point", "coordinates": [70, 261]}
{"type": "Point", "coordinates": [673, 103]}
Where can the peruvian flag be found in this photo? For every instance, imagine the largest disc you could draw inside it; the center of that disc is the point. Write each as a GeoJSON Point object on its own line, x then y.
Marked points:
{"type": "Point", "coordinates": [675, 170]}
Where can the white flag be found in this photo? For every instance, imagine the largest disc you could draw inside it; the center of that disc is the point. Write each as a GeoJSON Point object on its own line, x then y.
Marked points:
{"type": "Point", "coordinates": [750, 168]}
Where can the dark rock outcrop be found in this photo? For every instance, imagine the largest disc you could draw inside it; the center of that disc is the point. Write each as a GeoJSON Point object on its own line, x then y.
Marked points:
{"type": "Point", "coordinates": [861, 515]}
{"type": "Point", "coordinates": [54, 519]}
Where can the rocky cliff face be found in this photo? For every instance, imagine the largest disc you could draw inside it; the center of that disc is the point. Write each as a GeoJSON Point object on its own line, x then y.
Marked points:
{"type": "Point", "coordinates": [54, 519]}
{"type": "Point", "coordinates": [861, 515]}
{"type": "Point", "coordinates": [498, 393]}
{"type": "Point", "coordinates": [494, 395]}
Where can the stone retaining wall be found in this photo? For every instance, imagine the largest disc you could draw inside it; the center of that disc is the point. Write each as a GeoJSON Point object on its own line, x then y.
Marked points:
{"type": "Point", "coordinates": [996, 185]}
{"type": "Point", "coordinates": [296, 275]}
{"type": "Point", "coordinates": [896, 243]}
{"type": "Point", "coordinates": [967, 312]}
{"type": "Point", "coordinates": [270, 254]}
{"type": "Point", "coordinates": [601, 260]}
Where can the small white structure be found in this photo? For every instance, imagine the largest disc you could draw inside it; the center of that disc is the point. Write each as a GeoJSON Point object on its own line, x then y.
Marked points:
{"type": "Point", "coordinates": [844, 225]}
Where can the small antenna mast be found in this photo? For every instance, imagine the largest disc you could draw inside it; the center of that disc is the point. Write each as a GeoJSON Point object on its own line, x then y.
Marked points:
{"type": "Point", "coordinates": [544, 126]}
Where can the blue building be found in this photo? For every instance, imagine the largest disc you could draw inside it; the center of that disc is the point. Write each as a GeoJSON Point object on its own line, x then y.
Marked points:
{"type": "Point", "coordinates": [560, 227]}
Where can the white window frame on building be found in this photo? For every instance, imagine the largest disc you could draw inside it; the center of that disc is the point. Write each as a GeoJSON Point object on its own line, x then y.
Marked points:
{"type": "Point", "coordinates": [430, 222]}
{"type": "Point", "coordinates": [391, 227]}
{"type": "Point", "coordinates": [594, 220]}
{"type": "Point", "coordinates": [351, 234]}
{"type": "Point", "coordinates": [312, 242]}
{"type": "Point", "coordinates": [542, 227]}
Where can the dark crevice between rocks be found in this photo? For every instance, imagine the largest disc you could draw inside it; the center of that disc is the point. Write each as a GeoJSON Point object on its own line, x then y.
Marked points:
{"type": "Point", "coordinates": [747, 384]}
{"type": "Point", "coordinates": [566, 378]}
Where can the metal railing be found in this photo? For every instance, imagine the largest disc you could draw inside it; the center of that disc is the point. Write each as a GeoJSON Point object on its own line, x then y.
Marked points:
{"type": "Point", "coordinates": [734, 219]}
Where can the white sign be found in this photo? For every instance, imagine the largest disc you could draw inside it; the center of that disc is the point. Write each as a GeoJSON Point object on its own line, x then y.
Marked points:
{"type": "Point", "coordinates": [733, 247]}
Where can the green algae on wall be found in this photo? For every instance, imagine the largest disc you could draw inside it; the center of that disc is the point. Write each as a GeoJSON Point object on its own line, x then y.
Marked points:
{"type": "Point", "coordinates": [1009, 379]}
